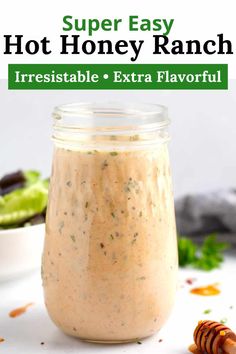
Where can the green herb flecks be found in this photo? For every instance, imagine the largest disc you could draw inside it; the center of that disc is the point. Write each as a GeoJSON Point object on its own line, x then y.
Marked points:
{"type": "Point", "coordinates": [206, 312]}
{"type": "Point", "coordinates": [113, 153]}
{"type": "Point", "coordinates": [72, 237]}
{"type": "Point", "coordinates": [224, 320]}
{"type": "Point", "coordinates": [134, 137]}
{"type": "Point", "coordinates": [61, 226]}
{"type": "Point", "coordinates": [132, 185]}
{"type": "Point", "coordinates": [104, 165]}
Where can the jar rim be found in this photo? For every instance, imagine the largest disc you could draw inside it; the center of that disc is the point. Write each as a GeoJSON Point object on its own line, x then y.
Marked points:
{"type": "Point", "coordinates": [113, 115]}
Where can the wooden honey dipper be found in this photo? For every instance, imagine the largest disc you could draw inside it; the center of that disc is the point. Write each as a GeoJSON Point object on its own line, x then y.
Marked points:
{"type": "Point", "coordinates": [214, 338]}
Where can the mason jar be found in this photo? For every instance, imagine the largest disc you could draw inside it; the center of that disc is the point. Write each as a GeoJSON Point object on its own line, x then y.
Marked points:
{"type": "Point", "coordinates": [110, 256]}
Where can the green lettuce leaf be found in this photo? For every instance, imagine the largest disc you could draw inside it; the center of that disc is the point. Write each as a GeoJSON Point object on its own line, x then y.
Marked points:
{"type": "Point", "coordinates": [31, 177]}
{"type": "Point", "coordinates": [24, 203]}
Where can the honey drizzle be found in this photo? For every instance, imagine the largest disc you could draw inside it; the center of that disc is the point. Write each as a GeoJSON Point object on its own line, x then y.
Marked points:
{"type": "Point", "coordinates": [209, 290]}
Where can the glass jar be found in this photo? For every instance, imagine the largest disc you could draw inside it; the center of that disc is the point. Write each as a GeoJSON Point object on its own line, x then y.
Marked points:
{"type": "Point", "coordinates": [110, 254]}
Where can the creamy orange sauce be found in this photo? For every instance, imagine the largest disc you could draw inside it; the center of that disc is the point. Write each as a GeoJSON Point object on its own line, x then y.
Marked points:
{"type": "Point", "coordinates": [20, 310]}
{"type": "Point", "coordinates": [110, 257]}
{"type": "Point", "coordinates": [209, 290]}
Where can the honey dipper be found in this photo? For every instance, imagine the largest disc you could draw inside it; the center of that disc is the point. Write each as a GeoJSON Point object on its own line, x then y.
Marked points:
{"type": "Point", "coordinates": [214, 338]}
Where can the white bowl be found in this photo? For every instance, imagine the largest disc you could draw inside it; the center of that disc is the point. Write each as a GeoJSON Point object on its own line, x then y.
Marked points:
{"type": "Point", "coordinates": [20, 250]}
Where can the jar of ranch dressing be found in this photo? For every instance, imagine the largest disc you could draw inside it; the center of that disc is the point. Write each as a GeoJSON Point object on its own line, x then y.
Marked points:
{"type": "Point", "coordinates": [110, 256]}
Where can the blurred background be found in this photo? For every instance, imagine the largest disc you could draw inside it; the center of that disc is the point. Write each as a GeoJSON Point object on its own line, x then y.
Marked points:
{"type": "Point", "coordinates": [203, 130]}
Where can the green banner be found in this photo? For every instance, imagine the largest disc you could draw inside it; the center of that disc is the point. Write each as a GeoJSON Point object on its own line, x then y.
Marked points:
{"type": "Point", "coordinates": [117, 76]}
